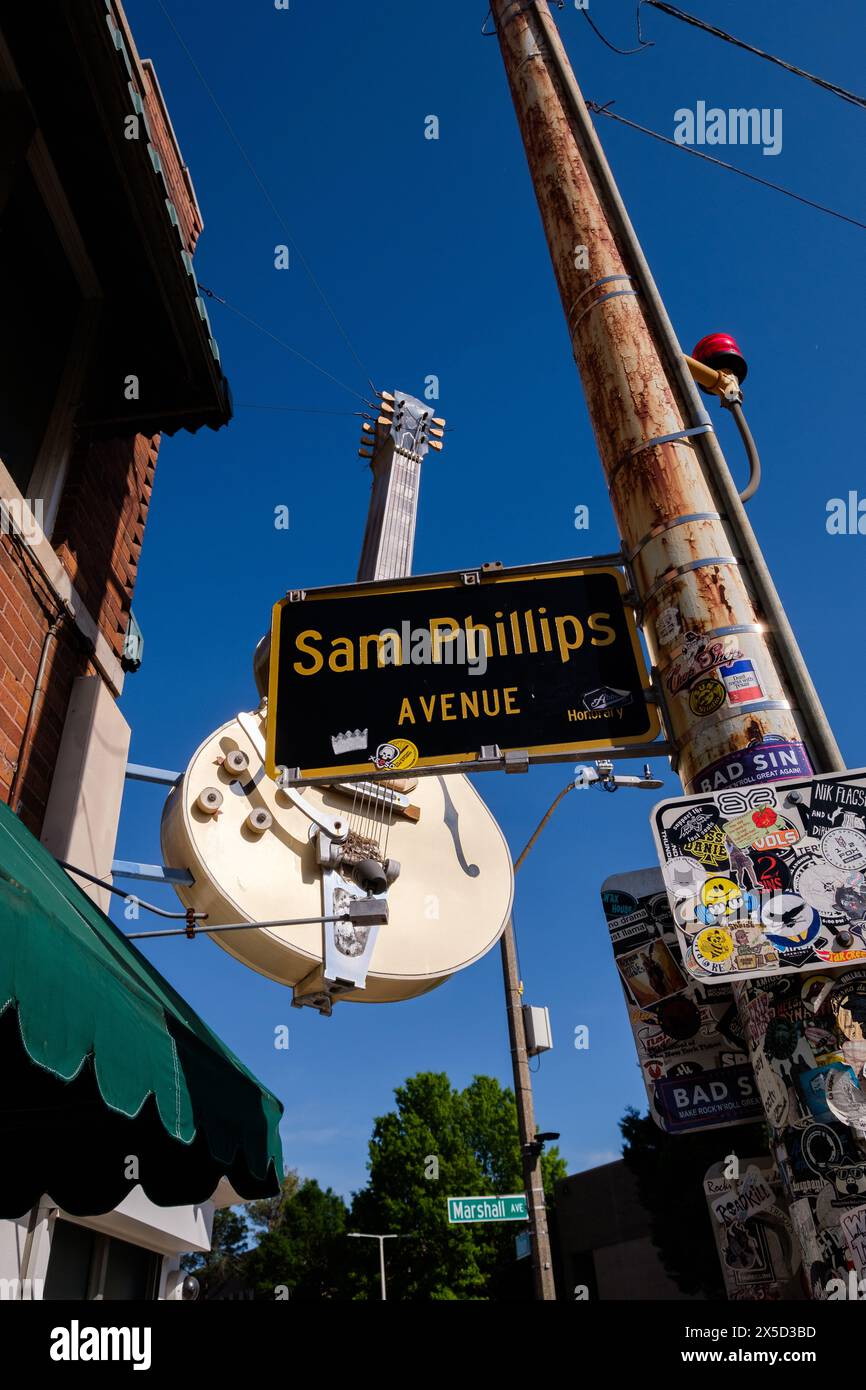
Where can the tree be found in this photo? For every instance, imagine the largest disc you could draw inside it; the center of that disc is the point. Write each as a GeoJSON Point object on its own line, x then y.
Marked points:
{"type": "Point", "coordinates": [303, 1249]}
{"type": "Point", "coordinates": [225, 1259]}
{"type": "Point", "coordinates": [441, 1142]}
{"type": "Point", "coordinates": [670, 1170]}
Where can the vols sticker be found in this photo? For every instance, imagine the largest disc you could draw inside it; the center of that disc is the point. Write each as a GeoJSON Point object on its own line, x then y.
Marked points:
{"type": "Point", "coordinates": [706, 696]}
{"type": "Point", "coordinates": [397, 755]}
{"type": "Point", "coordinates": [713, 949]}
{"type": "Point", "coordinates": [741, 682]}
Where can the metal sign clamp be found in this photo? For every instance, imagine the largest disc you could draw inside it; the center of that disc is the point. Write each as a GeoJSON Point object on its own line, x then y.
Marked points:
{"type": "Point", "coordinates": [517, 760]}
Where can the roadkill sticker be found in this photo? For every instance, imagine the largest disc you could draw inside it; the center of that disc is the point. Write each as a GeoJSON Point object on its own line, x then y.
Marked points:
{"type": "Point", "coordinates": [769, 877]}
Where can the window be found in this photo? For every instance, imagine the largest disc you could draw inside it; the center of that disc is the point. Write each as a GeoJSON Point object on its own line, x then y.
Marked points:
{"type": "Point", "coordinates": [84, 1264]}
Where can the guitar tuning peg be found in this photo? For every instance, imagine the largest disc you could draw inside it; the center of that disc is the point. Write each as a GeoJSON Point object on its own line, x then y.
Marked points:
{"type": "Point", "coordinates": [368, 429]}
{"type": "Point", "coordinates": [385, 395]}
{"type": "Point", "coordinates": [365, 453]}
{"type": "Point", "coordinates": [437, 421]}
{"type": "Point", "coordinates": [385, 420]}
{"type": "Point", "coordinates": [435, 444]}
{"type": "Point", "coordinates": [437, 434]}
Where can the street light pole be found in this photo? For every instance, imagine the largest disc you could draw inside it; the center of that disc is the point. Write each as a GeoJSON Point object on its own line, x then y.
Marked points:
{"type": "Point", "coordinates": [367, 1235]}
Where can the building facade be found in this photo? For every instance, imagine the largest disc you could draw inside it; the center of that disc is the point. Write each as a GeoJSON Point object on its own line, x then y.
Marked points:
{"type": "Point", "coordinates": [106, 347]}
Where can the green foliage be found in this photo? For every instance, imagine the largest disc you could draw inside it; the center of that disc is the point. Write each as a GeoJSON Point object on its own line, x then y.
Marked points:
{"type": "Point", "coordinates": [225, 1259]}
{"type": "Point", "coordinates": [470, 1138]}
{"type": "Point", "coordinates": [303, 1249]}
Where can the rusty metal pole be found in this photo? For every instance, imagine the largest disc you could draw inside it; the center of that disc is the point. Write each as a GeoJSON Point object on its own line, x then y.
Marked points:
{"type": "Point", "coordinates": [699, 578]}
{"type": "Point", "coordinates": [542, 1267]}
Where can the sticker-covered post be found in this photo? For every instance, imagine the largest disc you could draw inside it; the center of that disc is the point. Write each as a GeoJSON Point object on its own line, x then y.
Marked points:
{"type": "Point", "coordinates": [739, 704]}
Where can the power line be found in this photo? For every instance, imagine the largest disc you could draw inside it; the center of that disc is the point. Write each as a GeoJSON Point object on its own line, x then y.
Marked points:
{"type": "Point", "coordinates": [294, 409]}
{"type": "Point", "coordinates": [734, 169]}
{"type": "Point", "coordinates": [275, 210]}
{"type": "Point", "coordinates": [749, 48]}
{"type": "Point", "coordinates": [211, 294]}
{"type": "Point", "coordinates": [623, 52]}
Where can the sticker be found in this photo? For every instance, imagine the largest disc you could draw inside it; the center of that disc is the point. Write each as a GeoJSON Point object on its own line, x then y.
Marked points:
{"type": "Point", "coordinates": [845, 848]}
{"type": "Point", "coordinates": [691, 1102]}
{"type": "Point", "coordinates": [771, 759]}
{"type": "Point", "coordinates": [820, 1147]}
{"type": "Point", "coordinates": [817, 882]}
{"type": "Point", "coordinates": [741, 682]}
{"type": "Point", "coordinates": [680, 1017]}
{"type": "Point", "coordinates": [845, 1099]}
{"type": "Point", "coordinates": [684, 877]}
{"type": "Point", "coordinates": [721, 898]}
{"type": "Point", "coordinates": [853, 1226]}
{"type": "Point", "coordinates": [829, 802]}
{"type": "Point", "coordinates": [605, 697]}
{"type": "Point", "coordinates": [816, 1087]}
{"type": "Point", "coordinates": [790, 923]}
{"type": "Point", "coordinates": [651, 974]}
{"type": "Point", "coordinates": [772, 873]}
{"type": "Point", "coordinates": [706, 696]}
{"type": "Point", "coordinates": [713, 949]}
{"type": "Point", "coordinates": [668, 625]}
{"type": "Point", "coordinates": [848, 1006]}
{"type": "Point", "coordinates": [697, 657]}
{"type": "Point", "coordinates": [763, 829]}
{"type": "Point", "coordinates": [398, 755]}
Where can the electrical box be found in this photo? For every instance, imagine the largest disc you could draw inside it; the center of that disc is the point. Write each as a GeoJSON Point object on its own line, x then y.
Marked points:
{"type": "Point", "coordinates": [536, 1025]}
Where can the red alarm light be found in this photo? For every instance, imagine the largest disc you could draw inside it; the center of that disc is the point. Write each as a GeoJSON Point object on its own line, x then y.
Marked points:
{"type": "Point", "coordinates": [721, 352]}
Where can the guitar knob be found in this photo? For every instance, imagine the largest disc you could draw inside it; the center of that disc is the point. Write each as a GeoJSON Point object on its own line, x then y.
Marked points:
{"type": "Point", "coordinates": [209, 801]}
{"type": "Point", "coordinates": [259, 821]}
{"type": "Point", "coordinates": [236, 763]}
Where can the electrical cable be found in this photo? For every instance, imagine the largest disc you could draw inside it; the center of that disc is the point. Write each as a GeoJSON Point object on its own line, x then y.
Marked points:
{"type": "Point", "coordinates": [212, 294]}
{"type": "Point", "coordinates": [623, 52]}
{"type": "Point", "coordinates": [274, 209]}
{"type": "Point", "coordinates": [822, 82]}
{"type": "Point", "coordinates": [733, 168]}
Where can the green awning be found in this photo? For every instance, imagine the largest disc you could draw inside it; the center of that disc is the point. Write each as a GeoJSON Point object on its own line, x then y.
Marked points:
{"type": "Point", "coordinates": [103, 1062]}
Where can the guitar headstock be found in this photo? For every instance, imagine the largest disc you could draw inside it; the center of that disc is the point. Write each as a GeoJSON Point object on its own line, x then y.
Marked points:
{"type": "Point", "coordinates": [407, 421]}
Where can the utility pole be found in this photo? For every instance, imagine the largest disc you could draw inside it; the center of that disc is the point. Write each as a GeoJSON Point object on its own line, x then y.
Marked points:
{"type": "Point", "coordinates": [698, 572]}
{"type": "Point", "coordinates": [368, 1235]}
{"type": "Point", "coordinates": [530, 1149]}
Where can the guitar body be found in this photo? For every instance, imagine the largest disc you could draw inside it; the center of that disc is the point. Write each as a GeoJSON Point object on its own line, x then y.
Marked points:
{"type": "Point", "coordinates": [447, 907]}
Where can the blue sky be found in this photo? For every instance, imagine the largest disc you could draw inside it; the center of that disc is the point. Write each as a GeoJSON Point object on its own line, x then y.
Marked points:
{"type": "Point", "coordinates": [432, 254]}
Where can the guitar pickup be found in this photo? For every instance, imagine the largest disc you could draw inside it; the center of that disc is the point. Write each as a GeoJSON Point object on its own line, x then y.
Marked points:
{"type": "Point", "coordinates": [378, 794]}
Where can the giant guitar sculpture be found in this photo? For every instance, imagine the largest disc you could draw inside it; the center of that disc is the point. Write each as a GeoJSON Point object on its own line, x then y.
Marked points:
{"type": "Point", "coordinates": [412, 877]}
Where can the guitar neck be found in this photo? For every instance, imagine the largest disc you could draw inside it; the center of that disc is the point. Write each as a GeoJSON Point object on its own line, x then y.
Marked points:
{"type": "Point", "coordinates": [389, 538]}
{"type": "Point", "coordinates": [395, 446]}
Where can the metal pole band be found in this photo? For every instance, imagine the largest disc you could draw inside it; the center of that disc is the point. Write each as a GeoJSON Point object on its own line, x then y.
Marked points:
{"type": "Point", "coordinates": [605, 280]}
{"type": "Point", "coordinates": [750, 708]}
{"type": "Point", "coordinates": [652, 443]}
{"type": "Point", "coordinates": [670, 575]}
{"type": "Point", "coordinates": [614, 294]}
{"type": "Point", "coordinates": [668, 526]}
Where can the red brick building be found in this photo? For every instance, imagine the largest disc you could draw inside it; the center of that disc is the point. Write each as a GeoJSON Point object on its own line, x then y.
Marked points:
{"type": "Point", "coordinates": [106, 345]}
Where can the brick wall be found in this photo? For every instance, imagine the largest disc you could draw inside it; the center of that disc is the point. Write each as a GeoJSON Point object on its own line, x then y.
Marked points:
{"type": "Point", "coordinates": [98, 534]}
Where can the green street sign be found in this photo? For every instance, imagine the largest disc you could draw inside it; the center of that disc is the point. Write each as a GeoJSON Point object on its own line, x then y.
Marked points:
{"type": "Point", "coordinates": [510, 1208]}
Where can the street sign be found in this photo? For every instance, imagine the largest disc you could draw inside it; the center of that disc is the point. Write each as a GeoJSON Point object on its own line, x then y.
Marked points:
{"type": "Point", "coordinates": [769, 879]}
{"type": "Point", "coordinates": [689, 1040]}
{"type": "Point", "coordinates": [523, 1245]}
{"type": "Point", "coordinates": [465, 1209]}
{"type": "Point", "coordinates": [444, 671]}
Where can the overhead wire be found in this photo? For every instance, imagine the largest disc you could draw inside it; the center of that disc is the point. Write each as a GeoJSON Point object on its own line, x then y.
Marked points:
{"type": "Point", "coordinates": [212, 294]}
{"type": "Point", "coordinates": [822, 82]}
{"type": "Point", "coordinates": [643, 45]}
{"type": "Point", "coordinates": [722, 164]}
{"type": "Point", "coordinates": [266, 193]}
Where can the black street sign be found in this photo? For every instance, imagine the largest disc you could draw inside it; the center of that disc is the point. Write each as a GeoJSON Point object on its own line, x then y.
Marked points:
{"type": "Point", "coordinates": [425, 673]}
